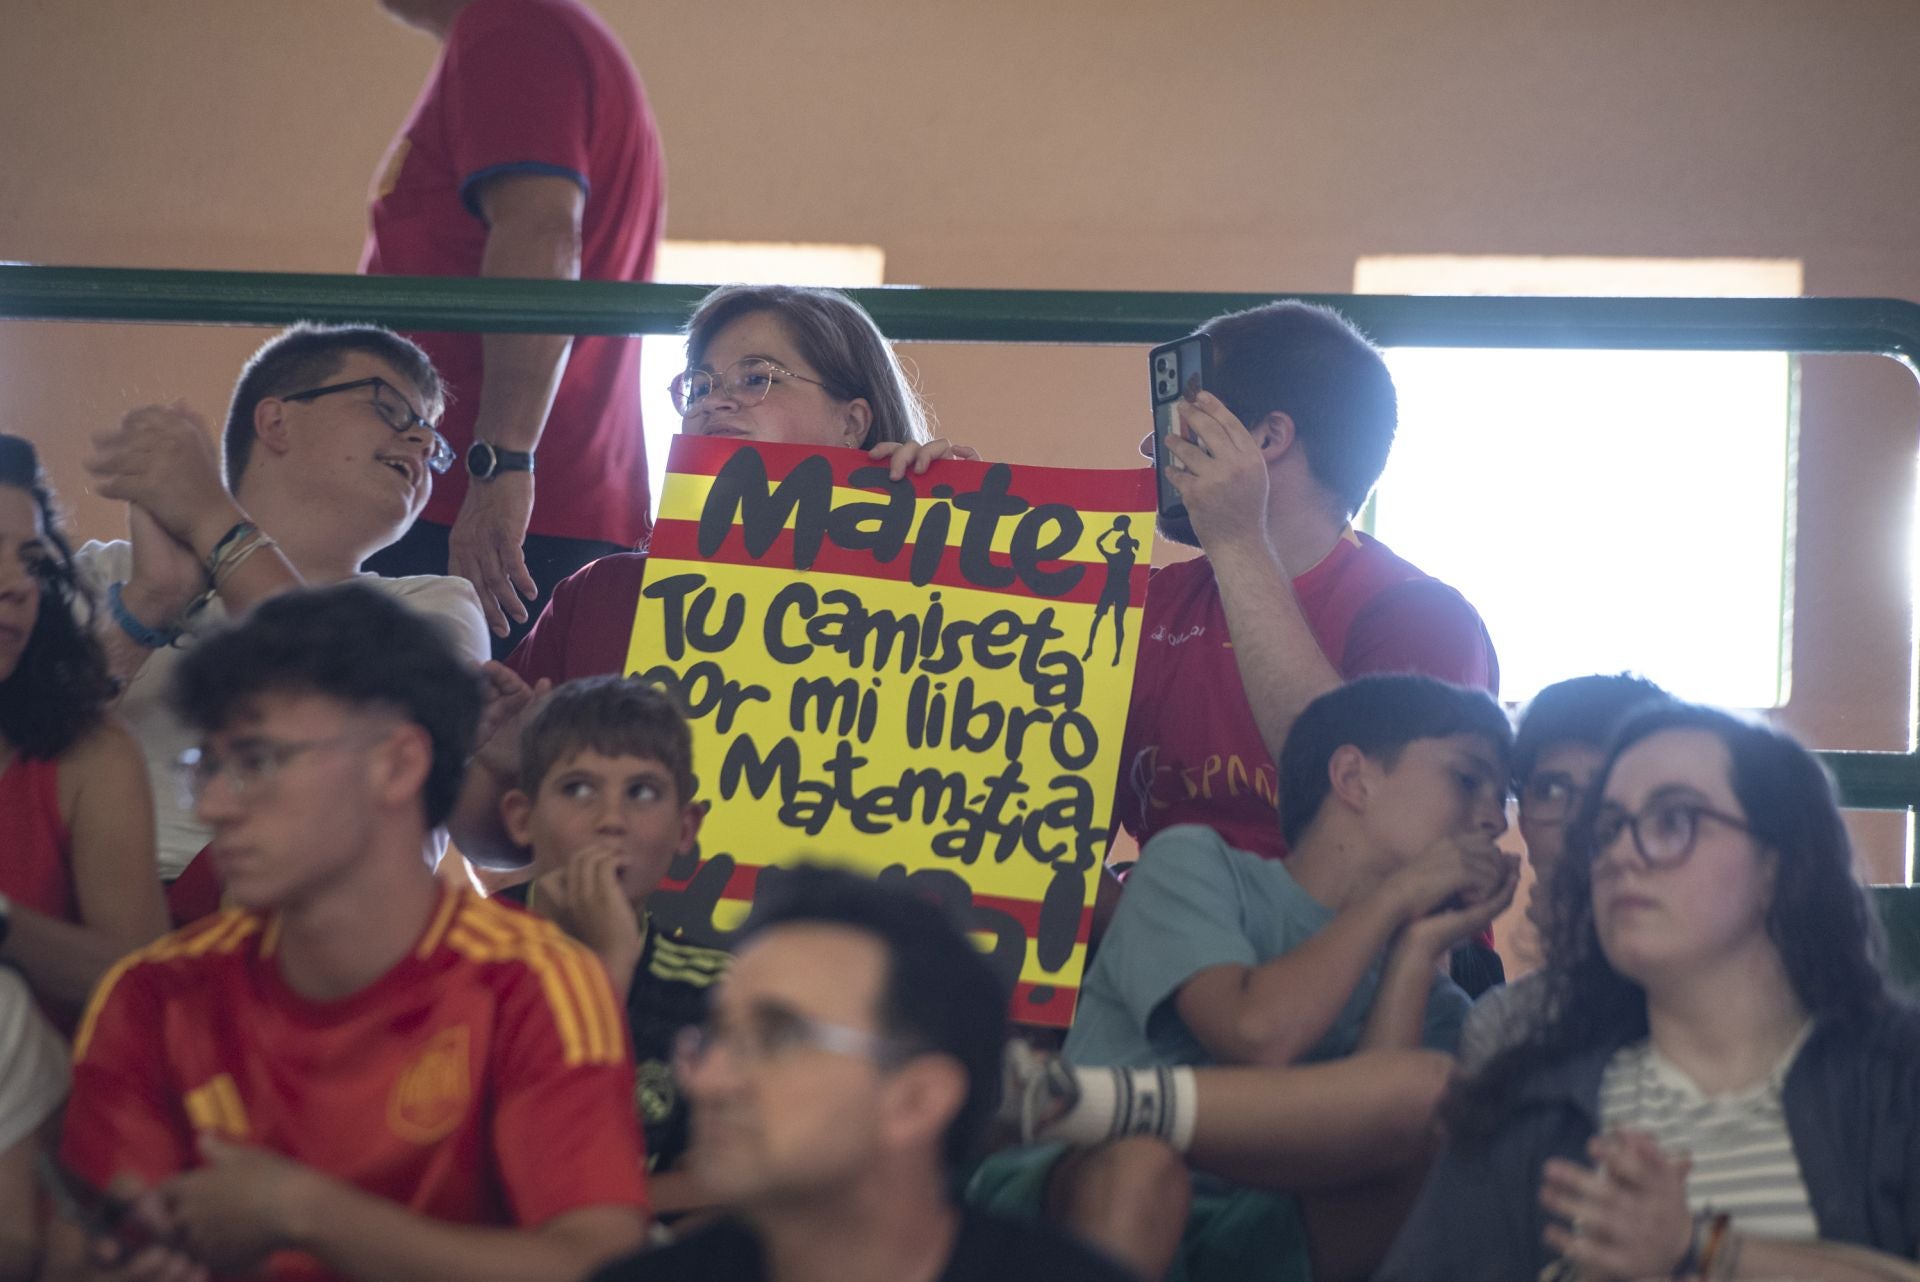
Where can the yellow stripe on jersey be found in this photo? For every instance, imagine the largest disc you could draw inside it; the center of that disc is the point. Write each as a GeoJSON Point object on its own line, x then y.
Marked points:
{"type": "Point", "coordinates": [478, 942]}
{"type": "Point", "coordinates": [238, 927]}
{"type": "Point", "coordinates": [584, 975]}
{"type": "Point", "coordinates": [202, 1113]}
{"type": "Point", "coordinates": [577, 993]}
{"type": "Point", "coordinates": [233, 1113]}
{"type": "Point", "coordinates": [216, 1107]}
{"type": "Point", "coordinates": [83, 1038]}
{"type": "Point", "coordinates": [223, 932]}
{"type": "Point", "coordinates": [473, 946]}
{"type": "Point", "coordinates": [449, 903]}
{"type": "Point", "coordinates": [582, 984]}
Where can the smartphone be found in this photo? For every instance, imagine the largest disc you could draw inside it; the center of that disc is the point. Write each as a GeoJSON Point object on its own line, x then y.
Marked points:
{"type": "Point", "coordinates": [1177, 371]}
{"type": "Point", "coordinates": [99, 1214]}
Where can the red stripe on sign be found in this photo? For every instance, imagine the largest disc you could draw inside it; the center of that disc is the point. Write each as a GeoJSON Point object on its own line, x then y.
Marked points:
{"type": "Point", "coordinates": [1027, 913]}
{"type": "Point", "coordinates": [742, 883]}
{"type": "Point", "coordinates": [1044, 1004]}
{"type": "Point", "coordinates": [679, 541]}
{"type": "Point", "coordinates": [1050, 1005]}
{"type": "Point", "coordinates": [1088, 489]}
{"type": "Point", "coordinates": [745, 877]}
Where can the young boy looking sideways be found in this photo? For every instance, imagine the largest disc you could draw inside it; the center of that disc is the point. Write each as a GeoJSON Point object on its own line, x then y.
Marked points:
{"type": "Point", "coordinates": [605, 804]}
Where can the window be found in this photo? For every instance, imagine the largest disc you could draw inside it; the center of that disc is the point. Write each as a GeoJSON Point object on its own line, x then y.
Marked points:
{"type": "Point", "coordinates": [1603, 510]}
{"type": "Point", "coordinates": [731, 262]}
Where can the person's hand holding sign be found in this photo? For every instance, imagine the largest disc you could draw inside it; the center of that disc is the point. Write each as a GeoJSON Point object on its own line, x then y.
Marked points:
{"type": "Point", "coordinates": [1220, 474]}
{"type": "Point", "coordinates": [902, 456]}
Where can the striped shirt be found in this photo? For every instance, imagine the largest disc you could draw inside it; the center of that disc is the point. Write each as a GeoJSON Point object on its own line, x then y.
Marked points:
{"type": "Point", "coordinates": [1743, 1158]}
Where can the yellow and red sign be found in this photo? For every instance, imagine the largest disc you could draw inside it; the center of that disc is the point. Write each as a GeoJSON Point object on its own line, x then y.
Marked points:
{"type": "Point", "coordinates": [925, 679]}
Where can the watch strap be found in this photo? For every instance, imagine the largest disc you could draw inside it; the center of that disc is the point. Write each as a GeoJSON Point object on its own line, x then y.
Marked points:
{"type": "Point", "coordinates": [485, 460]}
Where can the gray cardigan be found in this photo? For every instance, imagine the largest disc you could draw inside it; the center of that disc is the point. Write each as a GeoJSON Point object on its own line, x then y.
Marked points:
{"type": "Point", "coordinates": [1852, 1101]}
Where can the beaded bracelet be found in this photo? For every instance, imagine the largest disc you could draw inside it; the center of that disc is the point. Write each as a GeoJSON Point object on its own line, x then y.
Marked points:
{"type": "Point", "coordinates": [151, 638]}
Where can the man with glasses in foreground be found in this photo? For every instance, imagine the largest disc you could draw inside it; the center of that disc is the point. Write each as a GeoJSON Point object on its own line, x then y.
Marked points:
{"type": "Point", "coordinates": [1557, 751]}
{"type": "Point", "coordinates": [330, 453]}
{"type": "Point", "coordinates": [359, 1072]}
{"type": "Point", "coordinates": [845, 1074]}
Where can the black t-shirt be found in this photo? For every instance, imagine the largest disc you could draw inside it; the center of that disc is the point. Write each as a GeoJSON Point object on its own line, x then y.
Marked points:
{"type": "Point", "coordinates": [988, 1249]}
{"type": "Point", "coordinates": [669, 992]}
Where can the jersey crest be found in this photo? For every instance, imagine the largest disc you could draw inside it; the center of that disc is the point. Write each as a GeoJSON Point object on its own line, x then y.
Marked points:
{"type": "Point", "coordinates": [434, 1092]}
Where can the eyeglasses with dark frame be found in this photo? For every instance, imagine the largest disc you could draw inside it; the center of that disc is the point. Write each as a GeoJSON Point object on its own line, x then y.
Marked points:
{"type": "Point", "coordinates": [394, 411]}
{"type": "Point", "coordinates": [747, 380]}
{"type": "Point", "coordinates": [772, 1031]}
{"type": "Point", "coordinates": [1664, 832]}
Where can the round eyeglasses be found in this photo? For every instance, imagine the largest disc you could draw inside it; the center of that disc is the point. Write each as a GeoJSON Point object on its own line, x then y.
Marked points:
{"type": "Point", "coordinates": [747, 382]}
{"type": "Point", "coordinates": [1664, 832]}
{"type": "Point", "coordinates": [394, 412]}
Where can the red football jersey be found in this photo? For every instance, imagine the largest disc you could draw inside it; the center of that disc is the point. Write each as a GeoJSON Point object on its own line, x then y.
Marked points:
{"type": "Point", "coordinates": [486, 1079]}
{"type": "Point", "coordinates": [1193, 752]}
{"type": "Point", "coordinates": [537, 87]}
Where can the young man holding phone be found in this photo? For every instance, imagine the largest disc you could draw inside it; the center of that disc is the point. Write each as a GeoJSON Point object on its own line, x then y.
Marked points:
{"type": "Point", "coordinates": [1288, 601]}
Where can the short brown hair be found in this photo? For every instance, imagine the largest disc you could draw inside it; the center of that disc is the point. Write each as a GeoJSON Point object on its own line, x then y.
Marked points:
{"type": "Point", "coordinates": [304, 356]}
{"type": "Point", "coordinates": [1314, 365]}
{"type": "Point", "coordinates": [615, 717]}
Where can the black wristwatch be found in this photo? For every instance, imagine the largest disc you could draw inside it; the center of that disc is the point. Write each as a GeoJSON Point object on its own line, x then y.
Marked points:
{"type": "Point", "coordinates": [485, 461]}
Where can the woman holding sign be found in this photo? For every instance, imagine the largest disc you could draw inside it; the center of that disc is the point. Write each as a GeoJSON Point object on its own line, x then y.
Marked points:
{"type": "Point", "coordinates": [779, 364]}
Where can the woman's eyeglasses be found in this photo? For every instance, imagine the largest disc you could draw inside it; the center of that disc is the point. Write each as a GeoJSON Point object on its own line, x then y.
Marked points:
{"type": "Point", "coordinates": [746, 381]}
{"type": "Point", "coordinates": [1664, 833]}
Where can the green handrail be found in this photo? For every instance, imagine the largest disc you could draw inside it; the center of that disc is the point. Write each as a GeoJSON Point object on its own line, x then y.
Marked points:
{"type": "Point", "coordinates": [1882, 326]}
{"type": "Point", "coordinates": [1886, 326]}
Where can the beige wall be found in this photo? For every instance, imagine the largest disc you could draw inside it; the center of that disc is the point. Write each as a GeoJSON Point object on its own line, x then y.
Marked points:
{"type": "Point", "coordinates": [1211, 144]}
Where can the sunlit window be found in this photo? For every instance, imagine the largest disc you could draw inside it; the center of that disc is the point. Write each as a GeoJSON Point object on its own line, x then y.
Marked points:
{"type": "Point", "coordinates": [1603, 510]}
{"type": "Point", "coordinates": [705, 262]}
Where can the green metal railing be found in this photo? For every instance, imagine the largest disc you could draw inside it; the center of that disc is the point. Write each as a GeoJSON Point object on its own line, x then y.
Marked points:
{"type": "Point", "coordinates": [1876, 326]}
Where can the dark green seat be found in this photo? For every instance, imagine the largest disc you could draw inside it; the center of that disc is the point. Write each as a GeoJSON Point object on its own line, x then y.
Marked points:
{"type": "Point", "coordinates": [1899, 908]}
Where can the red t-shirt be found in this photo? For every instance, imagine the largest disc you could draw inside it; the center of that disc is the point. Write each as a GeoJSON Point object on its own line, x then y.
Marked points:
{"type": "Point", "coordinates": [1193, 752]}
{"type": "Point", "coordinates": [485, 1079]}
{"type": "Point", "coordinates": [535, 87]}
{"type": "Point", "coordinates": [585, 629]}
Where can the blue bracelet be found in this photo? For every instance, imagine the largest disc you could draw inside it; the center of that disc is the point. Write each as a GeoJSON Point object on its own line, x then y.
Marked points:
{"type": "Point", "coordinates": [151, 638]}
